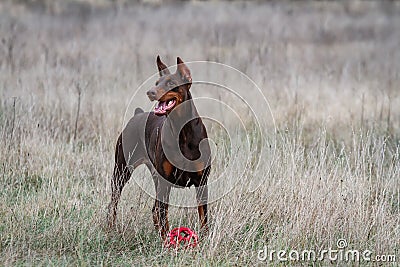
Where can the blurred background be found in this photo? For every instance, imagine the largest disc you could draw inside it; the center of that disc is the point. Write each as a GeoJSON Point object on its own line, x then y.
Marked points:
{"type": "Point", "coordinates": [335, 63]}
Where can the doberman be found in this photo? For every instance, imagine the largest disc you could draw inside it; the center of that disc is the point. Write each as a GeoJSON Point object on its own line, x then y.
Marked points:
{"type": "Point", "coordinates": [171, 141]}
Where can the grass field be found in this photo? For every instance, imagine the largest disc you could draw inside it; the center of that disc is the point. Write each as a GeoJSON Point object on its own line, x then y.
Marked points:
{"type": "Point", "coordinates": [330, 163]}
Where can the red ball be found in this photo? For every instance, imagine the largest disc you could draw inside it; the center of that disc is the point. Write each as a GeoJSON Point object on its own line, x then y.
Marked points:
{"type": "Point", "coordinates": [182, 236]}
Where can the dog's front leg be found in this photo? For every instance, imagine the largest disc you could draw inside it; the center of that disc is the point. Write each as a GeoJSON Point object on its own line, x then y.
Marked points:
{"type": "Point", "coordinates": [160, 209]}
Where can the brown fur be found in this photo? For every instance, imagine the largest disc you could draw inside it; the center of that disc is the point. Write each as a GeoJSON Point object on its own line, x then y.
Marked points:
{"type": "Point", "coordinates": [135, 147]}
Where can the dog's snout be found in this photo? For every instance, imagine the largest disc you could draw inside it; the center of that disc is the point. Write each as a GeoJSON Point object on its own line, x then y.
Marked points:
{"type": "Point", "coordinates": [152, 94]}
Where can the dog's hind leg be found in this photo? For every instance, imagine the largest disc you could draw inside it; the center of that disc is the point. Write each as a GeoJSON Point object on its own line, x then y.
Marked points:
{"type": "Point", "coordinates": [120, 177]}
{"type": "Point", "coordinates": [202, 199]}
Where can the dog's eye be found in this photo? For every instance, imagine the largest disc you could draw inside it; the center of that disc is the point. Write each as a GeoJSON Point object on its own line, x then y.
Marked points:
{"type": "Point", "coordinates": [156, 83]}
{"type": "Point", "coordinates": [175, 89]}
{"type": "Point", "coordinates": [171, 84]}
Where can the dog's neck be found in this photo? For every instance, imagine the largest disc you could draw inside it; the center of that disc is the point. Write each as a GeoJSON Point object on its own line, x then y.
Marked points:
{"type": "Point", "coordinates": [187, 115]}
{"type": "Point", "coordinates": [186, 128]}
{"type": "Point", "coordinates": [191, 125]}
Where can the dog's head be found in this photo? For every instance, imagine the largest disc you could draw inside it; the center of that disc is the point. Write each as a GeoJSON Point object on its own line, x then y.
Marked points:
{"type": "Point", "coordinates": [170, 89]}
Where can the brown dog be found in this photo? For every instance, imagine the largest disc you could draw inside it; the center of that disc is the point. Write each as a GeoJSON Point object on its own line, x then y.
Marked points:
{"type": "Point", "coordinates": [171, 141]}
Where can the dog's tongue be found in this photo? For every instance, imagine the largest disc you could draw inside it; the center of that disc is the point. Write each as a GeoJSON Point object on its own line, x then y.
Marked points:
{"type": "Point", "coordinates": [163, 106]}
{"type": "Point", "coordinates": [160, 107]}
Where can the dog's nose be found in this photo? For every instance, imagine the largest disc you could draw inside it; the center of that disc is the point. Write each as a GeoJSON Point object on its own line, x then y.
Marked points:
{"type": "Point", "coordinates": [151, 94]}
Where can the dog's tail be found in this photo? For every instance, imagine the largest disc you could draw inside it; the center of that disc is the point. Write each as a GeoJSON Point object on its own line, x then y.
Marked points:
{"type": "Point", "coordinates": [138, 111]}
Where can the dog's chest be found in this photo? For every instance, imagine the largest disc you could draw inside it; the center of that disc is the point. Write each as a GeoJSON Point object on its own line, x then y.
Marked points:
{"type": "Point", "coordinates": [174, 156]}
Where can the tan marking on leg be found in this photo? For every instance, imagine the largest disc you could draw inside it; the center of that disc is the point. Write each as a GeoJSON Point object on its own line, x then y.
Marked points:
{"type": "Point", "coordinates": [199, 168]}
{"type": "Point", "coordinates": [167, 167]}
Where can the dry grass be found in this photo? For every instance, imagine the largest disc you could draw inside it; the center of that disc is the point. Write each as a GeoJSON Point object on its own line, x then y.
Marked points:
{"type": "Point", "coordinates": [331, 170]}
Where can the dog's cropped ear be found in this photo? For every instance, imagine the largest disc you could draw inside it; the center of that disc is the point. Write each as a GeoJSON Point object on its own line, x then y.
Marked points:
{"type": "Point", "coordinates": [162, 68]}
{"type": "Point", "coordinates": [184, 72]}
